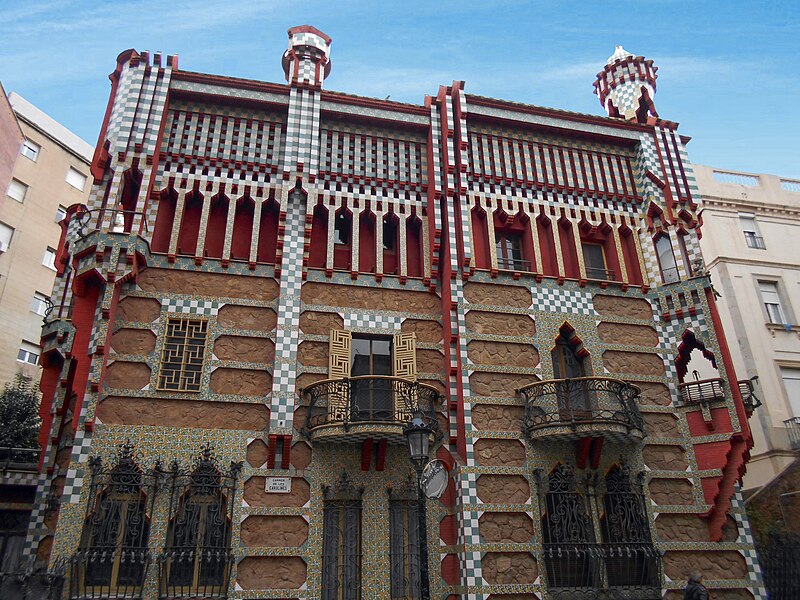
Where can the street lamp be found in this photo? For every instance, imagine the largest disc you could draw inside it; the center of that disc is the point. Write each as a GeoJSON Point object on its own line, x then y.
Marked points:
{"type": "Point", "coordinates": [418, 434]}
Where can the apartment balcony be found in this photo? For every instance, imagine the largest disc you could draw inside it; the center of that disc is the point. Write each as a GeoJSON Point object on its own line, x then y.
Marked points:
{"type": "Point", "coordinates": [519, 265]}
{"type": "Point", "coordinates": [613, 571]}
{"type": "Point", "coordinates": [702, 392]}
{"type": "Point", "coordinates": [110, 572]}
{"type": "Point", "coordinates": [571, 409]}
{"type": "Point", "coordinates": [793, 429]}
{"type": "Point", "coordinates": [371, 406]}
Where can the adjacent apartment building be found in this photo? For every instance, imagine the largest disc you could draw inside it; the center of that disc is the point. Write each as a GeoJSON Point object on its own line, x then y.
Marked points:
{"type": "Point", "coordinates": [751, 224]}
{"type": "Point", "coordinates": [271, 281]}
{"type": "Point", "coordinates": [50, 174]}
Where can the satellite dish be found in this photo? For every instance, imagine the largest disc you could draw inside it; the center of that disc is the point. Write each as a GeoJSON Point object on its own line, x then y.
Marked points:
{"type": "Point", "coordinates": [434, 479]}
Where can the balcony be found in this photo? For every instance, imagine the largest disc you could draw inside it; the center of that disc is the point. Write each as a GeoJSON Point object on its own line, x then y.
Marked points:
{"type": "Point", "coordinates": [188, 573]}
{"type": "Point", "coordinates": [571, 409]}
{"type": "Point", "coordinates": [600, 274]}
{"type": "Point", "coordinates": [793, 429]}
{"type": "Point", "coordinates": [19, 459]}
{"type": "Point", "coordinates": [514, 264]}
{"type": "Point", "coordinates": [370, 406]}
{"type": "Point", "coordinates": [701, 392]}
{"type": "Point", "coordinates": [108, 573]}
{"type": "Point", "coordinates": [630, 571]}
{"type": "Point", "coordinates": [749, 398]}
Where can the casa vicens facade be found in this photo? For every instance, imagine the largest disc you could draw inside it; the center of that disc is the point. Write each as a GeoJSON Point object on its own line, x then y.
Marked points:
{"type": "Point", "coordinates": [270, 280]}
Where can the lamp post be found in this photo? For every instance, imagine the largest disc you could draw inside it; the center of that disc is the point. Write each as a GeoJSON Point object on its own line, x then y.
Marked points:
{"type": "Point", "coordinates": [418, 434]}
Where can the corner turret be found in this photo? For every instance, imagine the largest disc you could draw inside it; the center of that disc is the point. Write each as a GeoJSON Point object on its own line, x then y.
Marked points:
{"type": "Point", "coordinates": [627, 85]}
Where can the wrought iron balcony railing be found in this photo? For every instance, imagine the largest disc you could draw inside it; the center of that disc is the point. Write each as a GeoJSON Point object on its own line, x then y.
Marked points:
{"type": "Point", "coordinates": [371, 403]}
{"type": "Point", "coordinates": [108, 573]}
{"type": "Point", "coordinates": [793, 428]}
{"type": "Point", "coordinates": [600, 274]}
{"type": "Point", "coordinates": [110, 220]}
{"type": "Point", "coordinates": [749, 398]}
{"type": "Point", "coordinates": [31, 584]}
{"type": "Point", "coordinates": [754, 241]}
{"type": "Point", "coordinates": [513, 264]}
{"type": "Point", "coordinates": [185, 573]}
{"type": "Point", "coordinates": [577, 571]}
{"type": "Point", "coordinates": [703, 391]}
{"type": "Point", "coordinates": [573, 408]}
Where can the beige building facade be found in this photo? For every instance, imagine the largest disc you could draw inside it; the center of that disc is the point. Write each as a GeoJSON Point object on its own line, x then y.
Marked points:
{"type": "Point", "coordinates": [751, 228]}
{"type": "Point", "coordinates": [51, 173]}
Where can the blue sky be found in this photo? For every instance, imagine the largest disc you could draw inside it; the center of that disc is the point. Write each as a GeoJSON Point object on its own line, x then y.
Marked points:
{"type": "Point", "coordinates": [728, 71]}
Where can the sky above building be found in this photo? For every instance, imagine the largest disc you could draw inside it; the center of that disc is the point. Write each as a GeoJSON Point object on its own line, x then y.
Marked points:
{"type": "Point", "coordinates": [728, 71]}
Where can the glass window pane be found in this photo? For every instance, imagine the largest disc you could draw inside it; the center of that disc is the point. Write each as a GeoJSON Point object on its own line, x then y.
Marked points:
{"type": "Point", "coordinates": [666, 259]}
{"type": "Point", "coordinates": [17, 190]}
{"type": "Point", "coordinates": [76, 179]}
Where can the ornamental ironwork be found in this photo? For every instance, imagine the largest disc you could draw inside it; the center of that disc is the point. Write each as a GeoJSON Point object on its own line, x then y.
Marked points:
{"type": "Point", "coordinates": [113, 556]}
{"type": "Point", "coordinates": [31, 582]}
{"type": "Point", "coordinates": [369, 399]}
{"type": "Point", "coordinates": [197, 558]}
{"type": "Point", "coordinates": [404, 541]}
{"type": "Point", "coordinates": [702, 392]}
{"type": "Point", "coordinates": [749, 398]}
{"type": "Point", "coordinates": [596, 536]}
{"type": "Point", "coordinates": [341, 540]}
{"type": "Point", "coordinates": [593, 403]}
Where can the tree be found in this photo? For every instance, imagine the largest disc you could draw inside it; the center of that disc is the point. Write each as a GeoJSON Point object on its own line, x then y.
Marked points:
{"type": "Point", "coordinates": [19, 414]}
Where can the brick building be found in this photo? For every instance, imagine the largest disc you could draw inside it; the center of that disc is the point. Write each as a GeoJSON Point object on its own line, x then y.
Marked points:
{"type": "Point", "coordinates": [269, 279]}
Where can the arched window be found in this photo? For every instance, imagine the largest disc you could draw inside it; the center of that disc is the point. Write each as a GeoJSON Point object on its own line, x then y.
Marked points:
{"type": "Point", "coordinates": [113, 555]}
{"type": "Point", "coordinates": [571, 361]}
{"type": "Point", "coordinates": [547, 246]}
{"type": "Point", "coordinates": [367, 250]}
{"type": "Point", "coordinates": [666, 259]}
{"type": "Point", "coordinates": [197, 557]}
{"type": "Point", "coordinates": [132, 183]}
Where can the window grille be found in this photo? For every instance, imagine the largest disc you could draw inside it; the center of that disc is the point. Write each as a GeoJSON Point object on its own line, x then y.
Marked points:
{"type": "Point", "coordinates": [341, 541]}
{"type": "Point", "coordinates": [113, 557]}
{"type": "Point", "coordinates": [404, 543]}
{"type": "Point", "coordinates": [182, 355]}
{"type": "Point", "coordinates": [197, 558]}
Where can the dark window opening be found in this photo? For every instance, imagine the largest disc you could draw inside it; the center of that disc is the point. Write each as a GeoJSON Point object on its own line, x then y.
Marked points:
{"type": "Point", "coordinates": [666, 260]}
{"type": "Point", "coordinates": [342, 228]}
{"type": "Point", "coordinates": [404, 550]}
{"type": "Point", "coordinates": [508, 245]}
{"type": "Point", "coordinates": [341, 550]}
{"type": "Point", "coordinates": [371, 398]}
{"type": "Point", "coordinates": [389, 234]}
{"type": "Point", "coordinates": [595, 262]}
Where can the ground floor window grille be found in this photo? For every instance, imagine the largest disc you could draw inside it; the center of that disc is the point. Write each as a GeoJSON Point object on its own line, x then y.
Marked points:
{"type": "Point", "coordinates": [341, 541]}
{"type": "Point", "coordinates": [404, 543]}
{"type": "Point", "coordinates": [596, 536]}
{"type": "Point", "coordinates": [197, 559]}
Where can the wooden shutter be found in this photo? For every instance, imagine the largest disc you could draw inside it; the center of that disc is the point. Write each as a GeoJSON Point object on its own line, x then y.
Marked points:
{"type": "Point", "coordinates": [338, 368]}
{"type": "Point", "coordinates": [404, 365]}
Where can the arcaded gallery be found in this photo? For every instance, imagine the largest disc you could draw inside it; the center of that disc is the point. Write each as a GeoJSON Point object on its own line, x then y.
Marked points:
{"type": "Point", "coordinates": [310, 345]}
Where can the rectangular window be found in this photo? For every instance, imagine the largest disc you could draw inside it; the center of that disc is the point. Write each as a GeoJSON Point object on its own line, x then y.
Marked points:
{"type": "Point", "coordinates": [61, 214]}
{"type": "Point", "coordinates": [183, 354]}
{"type": "Point", "coordinates": [508, 245]}
{"type": "Point", "coordinates": [666, 260]}
{"type": "Point", "coordinates": [791, 382]}
{"type": "Point", "coordinates": [28, 353]}
{"type": "Point", "coordinates": [751, 233]}
{"type": "Point", "coordinates": [6, 233]}
{"type": "Point", "coordinates": [30, 150]}
{"type": "Point", "coordinates": [404, 549]}
{"type": "Point", "coordinates": [13, 526]}
{"type": "Point", "coordinates": [341, 550]}
{"type": "Point", "coordinates": [595, 262]}
{"type": "Point", "coordinates": [371, 398]}
{"type": "Point", "coordinates": [39, 303]}
{"type": "Point", "coordinates": [49, 259]}
{"type": "Point", "coordinates": [76, 179]}
{"type": "Point", "coordinates": [17, 190]}
{"type": "Point", "coordinates": [772, 301]}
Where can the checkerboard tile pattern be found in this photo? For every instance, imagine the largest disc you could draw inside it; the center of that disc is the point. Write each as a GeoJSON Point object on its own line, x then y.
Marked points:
{"type": "Point", "coordinates": [562, 300]}
{"type": "Point", "coordinates": [746, 537]}
{"type": "Point", "coordinates": [357, 321]}
{"type": "Point", "coordinates": [36, 528]}
{"type": "Point", "coordinates": [205, 308]}
{"type": "Point", "coordinates": [287, 334]}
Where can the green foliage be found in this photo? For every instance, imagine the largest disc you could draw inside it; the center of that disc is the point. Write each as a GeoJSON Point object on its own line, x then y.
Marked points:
{"type": "Point", "coordinates": [19, 414]}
